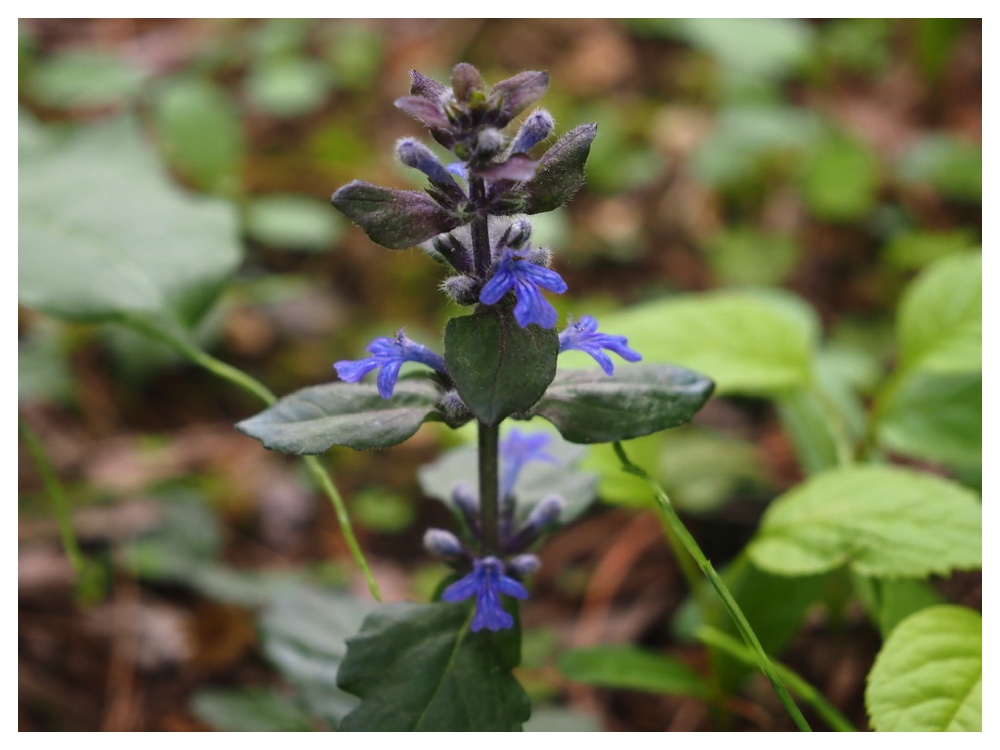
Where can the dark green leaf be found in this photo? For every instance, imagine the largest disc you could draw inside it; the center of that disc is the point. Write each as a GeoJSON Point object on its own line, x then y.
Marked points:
{"type": "Point", "coordinates": [590, 407]}
{"type": "Point", "coordinates": [304, 633]}
{"type": "Point", "coordinates": [560, 171]}
{"type": "Point", "coordinates": [104, 235]}
{"type": "Point", "coordinates": [538, 479]}
{"type": "Point", "coordinates": [498, 367]}
{"type": "Point", "coordinates": [249, 710]}
{"type": "Point", "coordinates": [395, 219]}
{"type": "Point", "coordinates": [316, 418]}
{"type": "Point", "coordinates": [632, 668]}
{"type": "Point", "coordinates": [928, 677]}
{"type": "Point", "coordinates": [418, 667]}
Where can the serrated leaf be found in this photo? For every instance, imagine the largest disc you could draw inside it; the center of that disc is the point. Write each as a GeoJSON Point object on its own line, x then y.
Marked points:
{"type": "Point", "coordinates": [304, 633]}
{"type": "Point", "coordinates": [746, 342]}
{"type": "Point", "coordinates": [559, 173]}
{"type": "Point", "coordinates": [879, 520]}
{"type": "Point", "coordinates": [941, 317]}
{"type": "Point", "coordinates": [538, 479]}
{"type": "Point", "coordinates": [590, 407]}
{"type": "Point", "coordinates": [632, 668]}
{"type": "Point", "coordinates": [316, 418]}
{"type": "Point", "coordinates": [104, 235]}
{"type": "Point", "coordinates": [928, 677]}
{"type": "Point", "coordinates": [498, 367]}
{"type": "Point", "coordinates": [395, 219]}
{"type": "Point", "coordinates": [249, 710]}
{"type": "Point", "coordinates": [418, 667]}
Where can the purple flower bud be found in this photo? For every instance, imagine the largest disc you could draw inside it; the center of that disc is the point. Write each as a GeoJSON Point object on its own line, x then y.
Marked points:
{"type": "Point", "coordinates": [523, 566]}
{"type": "Point", "coordinates": [515, 94]}
{"type": "Point", "coordinates": [464, 290]}
{"type": "Point", "coordinates": [443, 543]}
{"type": "Point", "coordinates": [536, 128]}
{"type": "Point", "coordinates": [515, 272]}
{"type": "Point", "coordinates": [415, 154]}
{"type": "Point", "coordinates": [584, 337]}
{"type": "Point", "coordinates": [465, 79]}
{"type": "Point", "coordinates": [486, 583]}
{"type": "Point", "coordinates": [517, 450]}
{"type": "Point", "coordinates": [546, 513]}
{"type": "Point", "coordinates": [388, 356]}
{"type": "Point", "coordinates": [516, 235]}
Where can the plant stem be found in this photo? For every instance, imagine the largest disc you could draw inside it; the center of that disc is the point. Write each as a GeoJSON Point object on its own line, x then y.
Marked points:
{"type": "Point", "coordinates": [56, 494]}
{"type": "Point", "coordinates": [489, 483]}
{"type": "Point", "coordinates": [739, 619]}
{"type": "Point", "coordinates": [480, 227]}
{"type": "Point", "coordinates": [248, 383]}
{"type": "Point", "coordinates": [717, 639]}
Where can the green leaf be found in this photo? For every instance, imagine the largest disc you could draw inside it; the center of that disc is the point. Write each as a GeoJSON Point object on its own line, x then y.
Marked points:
{"type": "Point", "coordinates": [746, 342]}
{"type": "Point", "coordinates": [940, 317]}
{"type": "Point", "coordinates": [249, 710]}
{"type": "Point", "coordinates": [590, 407]}
{"type": "Point", "coordinates": [561, 719]}
{"type": "Point", "coordinates": [748, 256]}
{"type": "Point", "coordinates": [560, 171]}
{"type": "Point", "coordinates": [880, 520]}
{"type": "Point", "coordinates": [890, 600]}
{"type": "Point", "coordinates": [104, 235]}
{"type": "Point", "coordinates": [928, 677]}
{"type": "Point", "coordinates": [767, 47]}
{"type": "Point", "coordinates": [201, 132]}
{"type": "Point", "coordinates": [396, 219]}
{"type": "Point", "coordinates": [841, 179]}
{"type": "Point", "coordinates": [498, 367]}
{"type": "Point", "coordinates": [85, 79]}
{"type": "Point", "coordinates": [912, 250]}
{"type": "Point", "coordinates": [418, 667]}
{"type": "Point", "coordinates": [288, 87]}
{"type": "Point", "coordinates": [936, 418]}
{"type": "Point", "coordinates": [316, 418]}
{"type": "Point", "coordinates": [537, 480]}
{"type": "Point", "coordinates": [304, 633]}
{"type": "Point", "coordinates": [951, 166]}
{"type": "Point", "coordinates": [293, 222]}
{"type": "Point", "coordinates": [632, 668]}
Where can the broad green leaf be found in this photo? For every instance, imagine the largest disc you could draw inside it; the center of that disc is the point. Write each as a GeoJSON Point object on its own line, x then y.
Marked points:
{"type": "Point", "coordinates": [940, 319]}
{"type": "Point", "coordinates": [746, 342]}
{"type": "Point", "coordinates": [890, 600]}
{"type": "Point", "coordinates": [418, 667]}
{"type": "Point", "coordinates": [249, 710]}
{"type": "Point", "coordinates": [304, 632]}
{"type": "Point", "coordinates": [352, 414]}
{"type": "Point", "coordinates": [750, 46]}
{"type": "Point", "coordinates": [288, 86]}
{"type": "Point", "coordinates": [498, 367]}
{"type": "Point", "coordinates": [841, 179]}
{"type": "Point", "coordinates": [293, 222]}
{"type": "Point", "coordinates": [632, 668]}
{"type": "Point", "coordinates": [881, 520]}
{"type": "Point", "coordinates": [913, 250]}
{"type": "Point", "coordinates": [588, 406]}
{"type": "Point", "coordinates": [200, 132]}
{"type": "Point", "coordinates": [538, 479]}
{"type": "Point", "coordinates": [928, 677]}
{"type": "Point", "coordinates": [104, 235]}
{"type": "Point", "coordinates": [85, 79]}
{"type": "Point", "coordinates": [749, 256]}
{"type": "Point", "coordinates": [810, 426]}
{"type": "Point", "coordinates": [936, 418]}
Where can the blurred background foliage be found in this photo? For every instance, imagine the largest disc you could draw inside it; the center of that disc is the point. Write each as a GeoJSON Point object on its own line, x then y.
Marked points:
{"type": "Point", "coordinates": [826, 159]}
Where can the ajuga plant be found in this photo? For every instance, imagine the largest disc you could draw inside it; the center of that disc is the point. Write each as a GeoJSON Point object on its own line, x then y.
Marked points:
{"type": "Point", "coordinates": [447, 665]}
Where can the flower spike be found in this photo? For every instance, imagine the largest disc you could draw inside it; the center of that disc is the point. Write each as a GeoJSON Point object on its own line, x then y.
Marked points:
{"type": "Point", "coordinates": [388, 355]}
{"type": "Point", "coordinates": [583, 336]}
{"type": "Point", "coordinates": [486, 582]}
{"type": "Point", "coordinates": [515, 271]}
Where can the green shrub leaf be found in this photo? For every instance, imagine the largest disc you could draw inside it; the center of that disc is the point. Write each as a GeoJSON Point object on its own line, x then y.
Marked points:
{"type": "Point", "coordinates": [249, 710]}
{"type": "Point", "coordinates": [880, 520]}
{"type": "Point", "coordinates": [588, 406]}
{"type": "Point", "coordinates": [104, 235]}
{"type": "Point", "coordinates": [418, 667]}
{"type": "Point", "coordinates": [316, 418]}
{"type": "Point", "coordinates": [928, 677]}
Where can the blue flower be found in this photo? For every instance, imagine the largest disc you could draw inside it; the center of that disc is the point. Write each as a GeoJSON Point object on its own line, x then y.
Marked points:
{"type": "Point", "coordinates": [583, 335]}
{"type": "Point", "coordinates": [516, 450]}
{"type": "Point", "coordinates": [389, 355]}
{"type": "Point", "coordinates": [486, 582]}
{"type": "Point", "coordinates": [516, 272]}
